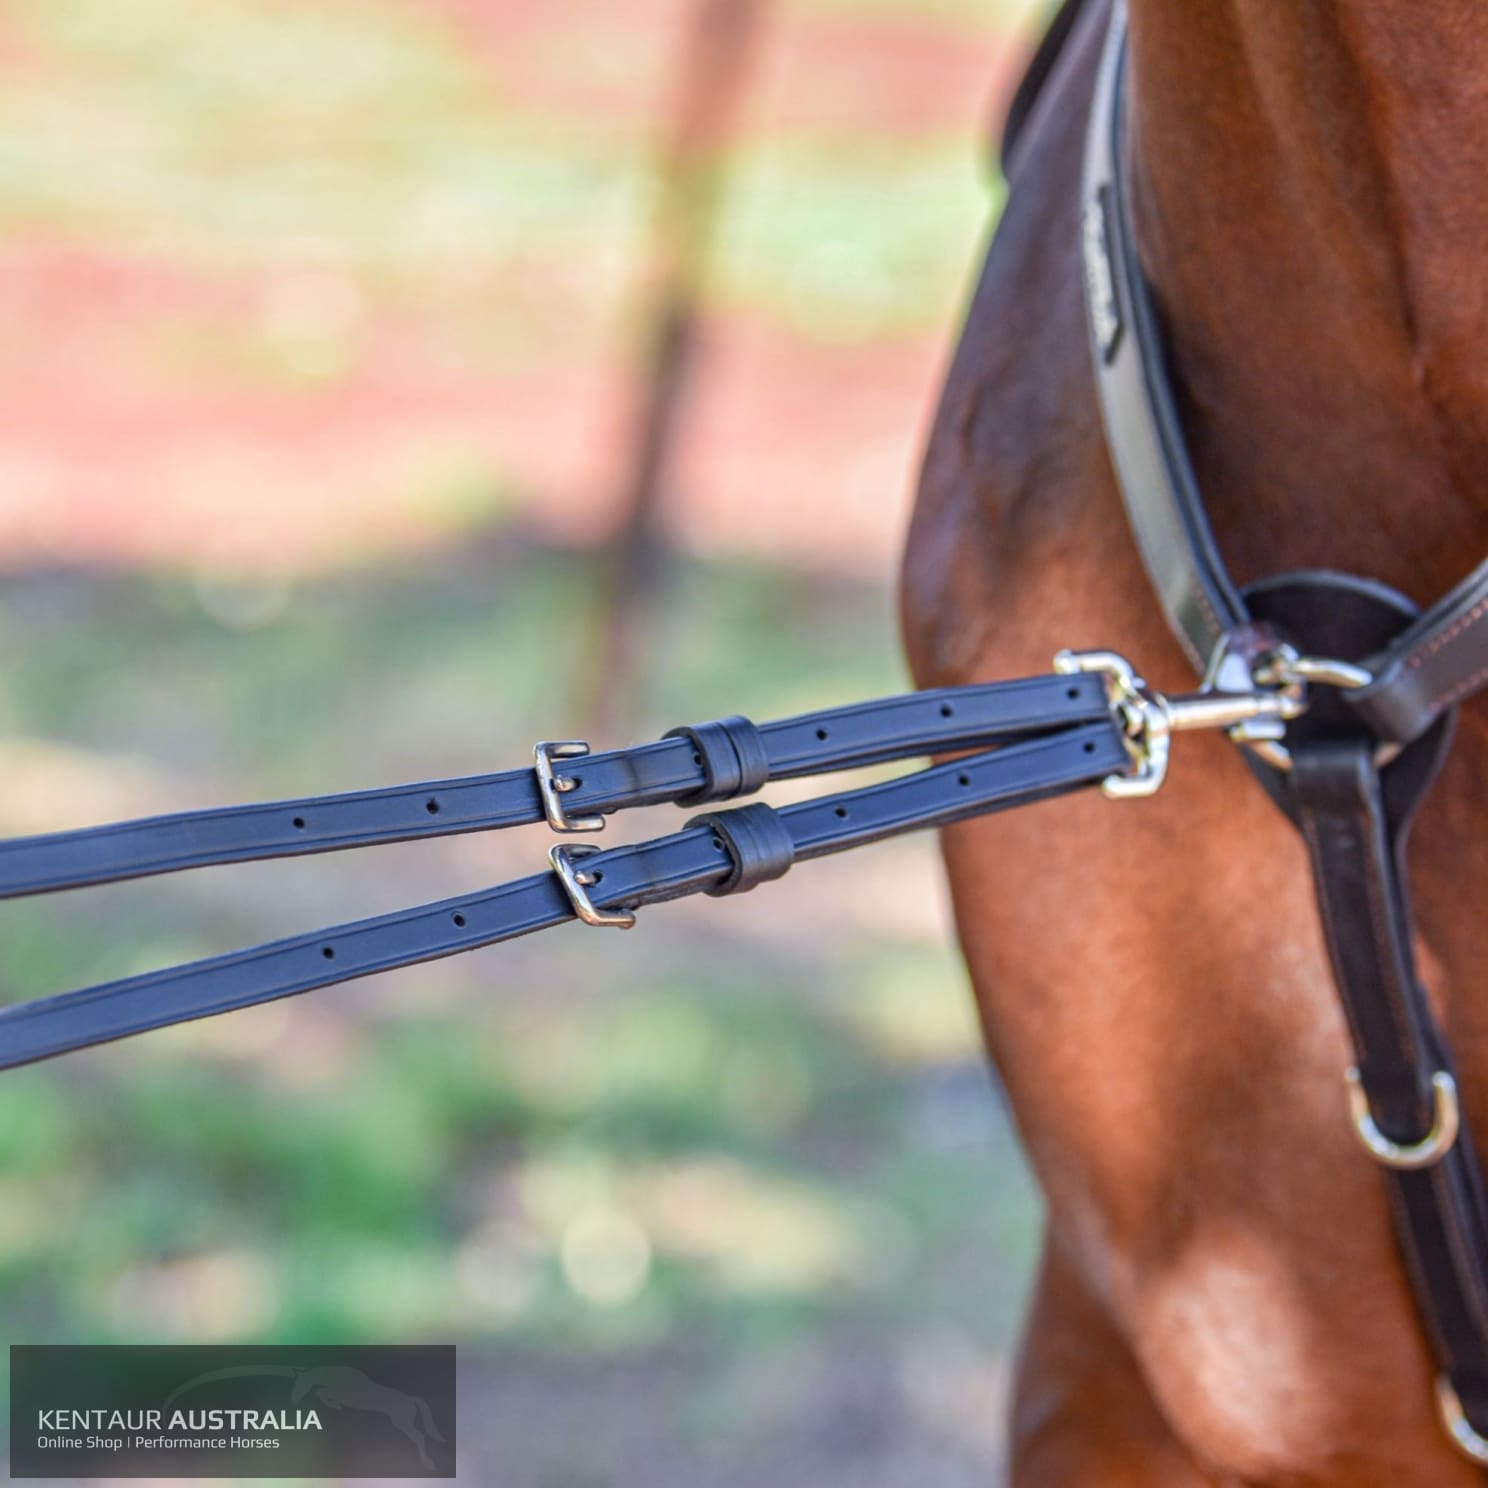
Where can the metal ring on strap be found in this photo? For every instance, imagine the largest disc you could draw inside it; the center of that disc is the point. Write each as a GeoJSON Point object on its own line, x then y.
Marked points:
{"type": "Point", "coordinates": [1468, 1441]}
{"type": "Point", "coordinates": [1430, 1149]}
{"type": "Point", "coordinates": [757, 841]}
{"type": "Point", "coordinates": [732, 754]}
{"type": "Point", "coordinates": [1323, 671]}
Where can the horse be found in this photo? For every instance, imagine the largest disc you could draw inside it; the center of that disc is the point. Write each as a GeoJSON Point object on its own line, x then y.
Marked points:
{"type": "Point", "coordinates": [1220, 1298]}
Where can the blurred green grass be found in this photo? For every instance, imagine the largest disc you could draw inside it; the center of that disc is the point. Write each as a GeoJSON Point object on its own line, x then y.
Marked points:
{"type": "Point", "coordinates": [804, 1063]}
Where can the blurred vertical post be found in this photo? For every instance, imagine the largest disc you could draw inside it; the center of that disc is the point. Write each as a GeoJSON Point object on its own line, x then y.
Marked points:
{"type": "Point", "coordinates": [722, 36]}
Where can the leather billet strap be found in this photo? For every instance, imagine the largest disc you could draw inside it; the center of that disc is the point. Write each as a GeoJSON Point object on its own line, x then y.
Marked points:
{"type": "Point", "coordinates": [729, 849]}
{"type": "Point", "coordinates": [706, 763]}
{"type": "Point", "coordinates": [1357, 843]}
{"type": "Point", "coordinates": [1434, 663]}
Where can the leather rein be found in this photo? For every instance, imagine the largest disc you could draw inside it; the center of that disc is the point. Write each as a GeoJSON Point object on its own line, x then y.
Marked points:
{"type": "Point", "coordinates": [1340, 690]}
{"type": "Point", "coordinates": [1350, 775]}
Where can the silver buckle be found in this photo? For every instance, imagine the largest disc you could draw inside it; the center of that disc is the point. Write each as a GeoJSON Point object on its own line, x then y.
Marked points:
{"type": "Point", "coordinates": [552, 786]}
{"type": "Point", "coordinates": [564, 856]}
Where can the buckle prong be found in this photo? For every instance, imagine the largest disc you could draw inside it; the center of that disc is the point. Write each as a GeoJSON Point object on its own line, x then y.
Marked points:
{"type": "Point", "coordinates": [552, 786]}
{"type": "Point", "coordinates": [565, 857]}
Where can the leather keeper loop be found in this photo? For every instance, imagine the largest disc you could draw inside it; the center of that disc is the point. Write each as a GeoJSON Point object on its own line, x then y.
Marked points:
{"type": "Point", "coordinates": [756, 839]}
{"type": "Point", "coordinates": [733, 758]}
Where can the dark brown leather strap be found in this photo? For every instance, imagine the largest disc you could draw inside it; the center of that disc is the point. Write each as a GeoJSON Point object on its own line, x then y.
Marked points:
{"type": "Point", "coordinates": [1433, 665]}
{"type": "Point", "coordinates": [1441, 1215]}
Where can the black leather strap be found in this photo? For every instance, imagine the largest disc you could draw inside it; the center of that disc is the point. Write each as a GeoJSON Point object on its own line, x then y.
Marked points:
{"type": "Point", "coordinates": [1441, 1215]}
{"type": "Point", "coordinates": [675, 769]}
{"type": "Point", "coordinates": [696, 860]}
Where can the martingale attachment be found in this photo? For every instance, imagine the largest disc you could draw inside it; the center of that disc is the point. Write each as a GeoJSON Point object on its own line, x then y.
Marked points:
{"type": "Point", "coordinates": [1003, 745]}
{"type": "Point", "coordinates": [1149, 719]}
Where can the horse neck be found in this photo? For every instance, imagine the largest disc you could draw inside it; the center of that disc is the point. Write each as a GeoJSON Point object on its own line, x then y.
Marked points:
{"type": "Point", "coordinates": [1308, 186]}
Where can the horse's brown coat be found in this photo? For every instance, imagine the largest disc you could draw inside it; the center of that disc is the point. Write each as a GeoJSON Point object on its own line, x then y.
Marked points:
{"type": "Point", "coordinates": [1220, 1300]}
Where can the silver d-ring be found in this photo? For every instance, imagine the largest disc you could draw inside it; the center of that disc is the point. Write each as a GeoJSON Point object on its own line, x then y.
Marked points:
{"type": "Point", "coordinates": [1467, 1441]}
{"type": "Point", "coordinates": [1430, 1149]}
{"type": "Point", "coordinates": [1321, 671]}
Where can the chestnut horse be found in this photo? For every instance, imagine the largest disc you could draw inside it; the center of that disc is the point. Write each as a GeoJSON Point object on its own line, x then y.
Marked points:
{"type": "Point", "coordinates": [1220, 1299]}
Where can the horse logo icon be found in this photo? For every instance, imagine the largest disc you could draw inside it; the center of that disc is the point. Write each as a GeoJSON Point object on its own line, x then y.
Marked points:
{"type": "Point", "coordinates": [339, 1387]}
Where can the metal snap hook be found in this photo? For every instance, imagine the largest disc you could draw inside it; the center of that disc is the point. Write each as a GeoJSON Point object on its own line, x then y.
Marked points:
{"type": "Point", "coordinates": [1287, 667]}
{"type": "Point", "coordinates": [1148, 719]}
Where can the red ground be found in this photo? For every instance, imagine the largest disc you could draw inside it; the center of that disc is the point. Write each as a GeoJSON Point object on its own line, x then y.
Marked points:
{"type": "Point", "coordinates": [108, 454]}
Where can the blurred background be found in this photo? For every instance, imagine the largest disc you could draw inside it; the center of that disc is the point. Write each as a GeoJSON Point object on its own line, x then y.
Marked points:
{"type": "Point", "coordinates": [389, 383]}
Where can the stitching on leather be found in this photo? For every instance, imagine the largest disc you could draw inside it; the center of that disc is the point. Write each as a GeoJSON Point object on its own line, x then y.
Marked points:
{"type": "Point", "coordinates": [1389, 963]}
{"type": "Point", "coordinates": [1310, 830]}
{"type": "Point", "coordinates": [1465, 1272]}
{"type": "Point", "coordinates": [1456, 694]}
{"type": "Point", "coordinates": [1465, 1266]}
{"type": "Point", "coordinates": [1450, 633]}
